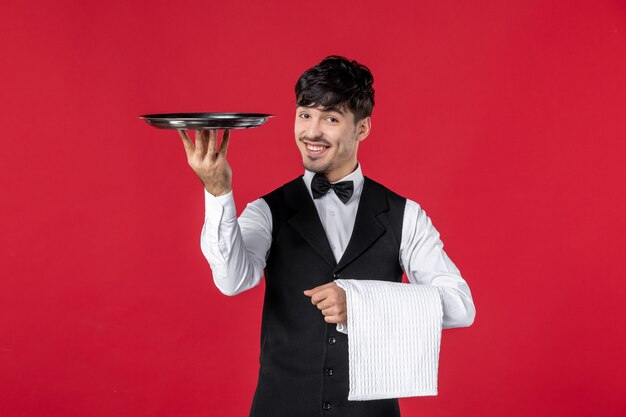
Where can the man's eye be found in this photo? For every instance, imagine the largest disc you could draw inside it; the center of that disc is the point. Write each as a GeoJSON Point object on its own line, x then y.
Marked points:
{"type": "Point", "coordinates": [332, 119]}
{"type": "Point", "coordinates": [304, 116]}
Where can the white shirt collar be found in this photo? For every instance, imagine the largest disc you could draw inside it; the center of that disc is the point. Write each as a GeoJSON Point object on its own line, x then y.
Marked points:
{"type": "Point", "coordinates": [356, 176]}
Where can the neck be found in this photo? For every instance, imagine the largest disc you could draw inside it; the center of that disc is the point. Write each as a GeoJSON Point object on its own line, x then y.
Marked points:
{"type": "Point", "coordinates": [338, 174]}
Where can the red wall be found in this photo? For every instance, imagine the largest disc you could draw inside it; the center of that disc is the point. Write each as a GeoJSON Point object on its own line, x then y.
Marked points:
{"type": "Point", "coordinates": [504, 119]}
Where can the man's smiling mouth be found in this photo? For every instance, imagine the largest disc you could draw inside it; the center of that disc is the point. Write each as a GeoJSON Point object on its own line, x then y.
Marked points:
{"type": "Point", "coordinates": [315, 148]}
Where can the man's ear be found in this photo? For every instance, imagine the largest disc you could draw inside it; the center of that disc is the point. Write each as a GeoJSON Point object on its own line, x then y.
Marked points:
{"type": "Point", "coordinates": [363, 128]}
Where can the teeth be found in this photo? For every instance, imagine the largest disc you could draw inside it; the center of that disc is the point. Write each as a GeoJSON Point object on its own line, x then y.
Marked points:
{"type": "Point", "coordinates": [315, 148]}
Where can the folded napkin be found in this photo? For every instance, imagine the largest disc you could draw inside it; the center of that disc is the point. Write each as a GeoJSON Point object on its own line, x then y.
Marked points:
{"type": "Point", "coordinates": [393, 340]}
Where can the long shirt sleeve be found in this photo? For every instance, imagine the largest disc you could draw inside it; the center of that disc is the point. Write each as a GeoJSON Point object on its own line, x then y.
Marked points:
{"type": "Point", "coordinates": [236, 249]}
{"type": "Point", "coordinates": [424, 261]}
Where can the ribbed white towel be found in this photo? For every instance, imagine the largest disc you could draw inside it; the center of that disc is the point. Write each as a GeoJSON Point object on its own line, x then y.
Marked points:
{"type": "Point", "coordinates": [393, 339]}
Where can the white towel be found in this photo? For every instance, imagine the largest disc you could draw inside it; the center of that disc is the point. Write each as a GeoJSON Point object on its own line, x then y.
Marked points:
{"type": "Point", "coordinates": [393, 339]}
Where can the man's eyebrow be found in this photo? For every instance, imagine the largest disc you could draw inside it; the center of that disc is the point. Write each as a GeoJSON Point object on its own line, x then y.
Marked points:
{"type": "Point", "coordinates": [336, 110]}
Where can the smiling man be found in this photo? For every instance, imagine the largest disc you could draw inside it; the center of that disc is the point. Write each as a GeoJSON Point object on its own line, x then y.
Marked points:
{"type": "Point", "coordinates": [329, 139]}
{"type": "Point", "coordinates": [331, 223]}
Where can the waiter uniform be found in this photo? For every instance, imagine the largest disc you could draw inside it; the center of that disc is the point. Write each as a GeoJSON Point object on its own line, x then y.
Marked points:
{"type": "Point", "coordinates": [304, 360]}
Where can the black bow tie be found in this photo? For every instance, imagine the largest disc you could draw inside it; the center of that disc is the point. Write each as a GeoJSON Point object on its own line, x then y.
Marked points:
{"type": "Point", "coordinates": [320, 186]}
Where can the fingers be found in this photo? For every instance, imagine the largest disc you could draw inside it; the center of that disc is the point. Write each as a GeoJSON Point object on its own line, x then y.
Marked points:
{"type": "Point", "coordinates": [323, 292]}
{"type": "Point", "coordinates": [329, 299]}
{"type": "Point", "coordinates": [335, 314]}
{"type": "Point", "coordinates": [335, 319]}
{"type": "Point", "coordinates": [224, 144]}
{"type": "Point", "coordinates": [206, 143]}
{"type": "Point", "coordinates": [325, 304]}
{"type": "Point", "coordinates": [331, 311]}
{"type": "Point", "coordinates": [315, 290]}
{"type": "Point", "coordinates": [201, 143]}
{"type": "Point", "coordinates": [329, 296]}
{"type": "Point", "coordinates": [212, 142]}
{"type": "Point", "coordinates": [187, 143]}
{"type": "Point", "coordinates": [320, 296]}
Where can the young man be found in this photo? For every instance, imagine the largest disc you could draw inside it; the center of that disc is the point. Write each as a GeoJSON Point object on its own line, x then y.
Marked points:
{"type": "Point", "coordinates": [330, 223]}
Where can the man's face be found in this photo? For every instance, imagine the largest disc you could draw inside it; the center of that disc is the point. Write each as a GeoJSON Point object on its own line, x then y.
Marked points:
{"type": "Point", "coordinates": [328, 140]}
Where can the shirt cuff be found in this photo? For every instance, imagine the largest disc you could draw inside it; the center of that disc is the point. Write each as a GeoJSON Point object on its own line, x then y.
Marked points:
{"type": "Point", "coordinates": [221, 207]}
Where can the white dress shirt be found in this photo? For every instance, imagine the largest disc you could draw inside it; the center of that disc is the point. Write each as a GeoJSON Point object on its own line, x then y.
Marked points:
{"type": "Point", "coordinates": [237, 249]}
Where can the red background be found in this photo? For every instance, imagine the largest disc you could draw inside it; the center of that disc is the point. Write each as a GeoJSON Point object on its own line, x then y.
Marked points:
{"type": "Point", "coordinates": [504, 119]}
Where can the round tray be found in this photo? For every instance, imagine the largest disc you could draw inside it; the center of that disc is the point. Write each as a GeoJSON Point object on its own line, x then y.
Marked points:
{"type": "Point", "coordinates": [206, 121]}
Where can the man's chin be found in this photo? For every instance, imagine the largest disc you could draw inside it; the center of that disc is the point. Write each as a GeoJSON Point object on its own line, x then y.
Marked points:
{"type": "Point", "coordinates": [315, 166]}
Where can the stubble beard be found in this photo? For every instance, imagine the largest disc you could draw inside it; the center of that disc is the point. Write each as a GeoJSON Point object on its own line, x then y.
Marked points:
{"type": "Point", "coordinates": [309, 162]}
{"type": "Point", "coordinates": [310, 165]}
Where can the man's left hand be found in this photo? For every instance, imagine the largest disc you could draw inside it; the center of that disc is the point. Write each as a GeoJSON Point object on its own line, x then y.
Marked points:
{"type": "Point", "coordinates": [330, 299]}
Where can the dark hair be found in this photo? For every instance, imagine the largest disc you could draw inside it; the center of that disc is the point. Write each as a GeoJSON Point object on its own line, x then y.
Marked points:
{"type": "Point", "coordinates": [337, 82]}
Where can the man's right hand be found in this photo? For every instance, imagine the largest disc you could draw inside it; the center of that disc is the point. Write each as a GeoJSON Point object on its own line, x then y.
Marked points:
{"type": "Point", "coordinates": [210, 166]}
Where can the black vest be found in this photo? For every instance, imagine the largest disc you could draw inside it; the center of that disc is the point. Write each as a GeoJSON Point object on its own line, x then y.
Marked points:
{"type": "Point", "coordinates": [304, 361]}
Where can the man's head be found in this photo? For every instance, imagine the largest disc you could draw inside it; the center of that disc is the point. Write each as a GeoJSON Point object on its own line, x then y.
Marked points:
{"type": "Point", "coordinates": [334, 103]}
{"type": "Point", "coordinates": [336, 83]}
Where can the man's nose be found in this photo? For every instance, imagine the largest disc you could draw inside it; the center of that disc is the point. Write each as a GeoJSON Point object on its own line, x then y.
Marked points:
{"type": "Point", "coordinates": [313, 130]}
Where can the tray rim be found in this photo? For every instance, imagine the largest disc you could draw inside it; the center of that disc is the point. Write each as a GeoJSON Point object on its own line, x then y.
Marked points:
{"type": "Point", "coordinates": [178, 116]}
{"type": "Point", "coordinates": [206, 120]}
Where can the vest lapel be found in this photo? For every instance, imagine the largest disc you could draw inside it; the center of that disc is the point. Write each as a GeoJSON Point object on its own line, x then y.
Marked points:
{"type": "Point", "coordinates": [306, 221]}
{"type": "Point", "coordinates": [367, 228]}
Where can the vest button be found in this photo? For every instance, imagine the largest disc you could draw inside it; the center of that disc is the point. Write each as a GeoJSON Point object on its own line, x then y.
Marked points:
{"type": "Point", "coordinates": [329, 372]}
{"type": "Point", "coordinates": [336, 276]}
{"type": "Point", "coordinates": [327, 406]}
{"type": "Point", "coordinates": [332, 340]}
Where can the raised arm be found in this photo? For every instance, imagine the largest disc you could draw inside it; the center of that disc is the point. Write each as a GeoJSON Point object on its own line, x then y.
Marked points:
{"type": "Point", "coordinates": [235, 249]}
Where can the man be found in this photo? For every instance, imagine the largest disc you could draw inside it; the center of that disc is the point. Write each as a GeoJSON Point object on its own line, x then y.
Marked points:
{"type": "Point", "coordinates": [330, 223]}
